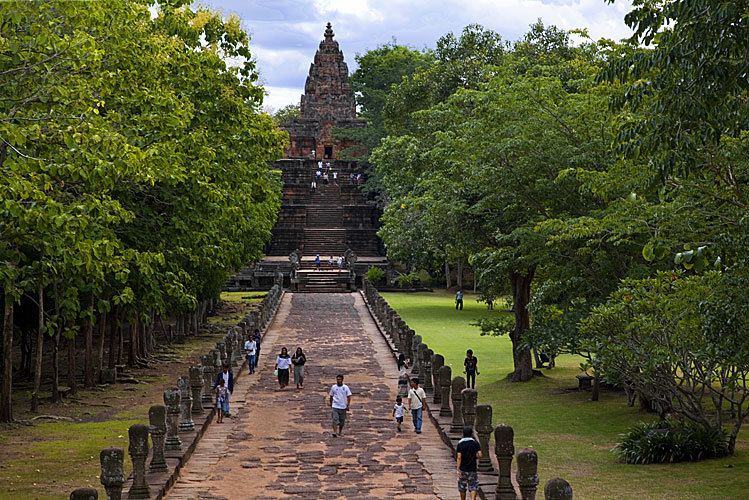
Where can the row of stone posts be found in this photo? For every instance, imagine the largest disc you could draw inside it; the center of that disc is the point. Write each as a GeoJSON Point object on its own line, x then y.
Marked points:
{"type": "Point", "coordinates": [452, 399]}
{"type": "Point", "coordinates": [191, 397]}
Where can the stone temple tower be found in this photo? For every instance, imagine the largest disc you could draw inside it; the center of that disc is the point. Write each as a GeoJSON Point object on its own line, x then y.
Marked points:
{"type": "Point", "coordinates": [327, 102]}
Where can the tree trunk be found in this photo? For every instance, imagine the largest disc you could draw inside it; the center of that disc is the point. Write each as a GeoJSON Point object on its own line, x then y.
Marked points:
{"type": "Point", "coordinates": [596, 391]}
{"type": "Point", "coordinates": [448, 281]}
{"type": "Point", "coordinates": [39, 353]}
{"type": "Point", "coordinates": [459, 277]}
{"type": "Point", "coordinates": [195, 322]}
{"type": "Point", "coordinates": [120, 340]}
{"type": "Point", "coordinates": [56, 366]}
{"type": "Point", "coordinates": [537, 359]}
{"type": "Point", "coordinates": [133, 341]}
{"type": "Point", "coordinates": [6, 390]}
{"type": "Point", "coordinates": [72, 365]}
{"type": "Point", "coordinates": [112, 332]}
{"type": "Point", "coordinates": [102, 335]}
{"type": "Point", "coordinates": [88, 358]}
{"type": "Point", "coordinates": [521, 355]}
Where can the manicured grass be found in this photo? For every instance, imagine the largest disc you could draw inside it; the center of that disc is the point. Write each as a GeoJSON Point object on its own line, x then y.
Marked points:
{"type": "Point", "coordinates": [572, 435]}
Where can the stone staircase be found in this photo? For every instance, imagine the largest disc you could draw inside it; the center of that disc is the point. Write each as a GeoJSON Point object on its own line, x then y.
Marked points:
{"type": "Point", "coordinates": [328, 279]}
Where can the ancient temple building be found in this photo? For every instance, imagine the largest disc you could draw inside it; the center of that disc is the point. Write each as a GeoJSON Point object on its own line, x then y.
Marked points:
{"type": "Point", "coordinates": [327, 102]}
{"type": "Point", "coordinates": [334, 219]}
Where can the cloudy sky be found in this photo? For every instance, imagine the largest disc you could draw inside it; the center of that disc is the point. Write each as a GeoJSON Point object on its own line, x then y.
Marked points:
{"type": "Point", "coordinates": [285, 33]}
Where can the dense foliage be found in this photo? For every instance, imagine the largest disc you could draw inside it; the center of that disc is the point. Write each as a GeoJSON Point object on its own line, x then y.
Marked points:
{"type": "Point", "coordinates": [668, 441]}
{"type": "Point", "coordinates": [602, 185]}
{"type": "Point", "coordinates": [133, 165]}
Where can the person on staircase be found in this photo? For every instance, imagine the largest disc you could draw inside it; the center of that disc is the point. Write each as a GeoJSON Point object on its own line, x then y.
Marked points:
{"type": "Point", "coordinates": [325, 178]}
{"type": "Point", "coordinates": [313, 186]}
{"type": "Point", "coordinates": [317, 261]}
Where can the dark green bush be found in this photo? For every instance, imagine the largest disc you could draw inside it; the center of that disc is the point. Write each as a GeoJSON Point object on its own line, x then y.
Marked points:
{"type": "Point", "coordinates": [670, 441]}
{"type": "Point", "coordinates": [375, 274]}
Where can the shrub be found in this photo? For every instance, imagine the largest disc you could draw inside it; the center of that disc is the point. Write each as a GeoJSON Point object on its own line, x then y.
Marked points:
{"type": "Point", "coordinates": [375, 274]}
{"type": "Point", "coordinates": [669, 441]}
{"type": "Point", "coordinates": [412, 279]}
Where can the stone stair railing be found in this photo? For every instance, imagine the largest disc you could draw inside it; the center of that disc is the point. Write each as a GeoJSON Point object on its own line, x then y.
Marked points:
{"type": "Point", "coordinates": [176, 426]}
{"type": "Point", "coordinates": [454, 406]}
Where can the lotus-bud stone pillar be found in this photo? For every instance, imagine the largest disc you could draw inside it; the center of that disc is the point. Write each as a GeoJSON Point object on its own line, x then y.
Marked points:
{"type": "Point", "coordinates": [457, 386]}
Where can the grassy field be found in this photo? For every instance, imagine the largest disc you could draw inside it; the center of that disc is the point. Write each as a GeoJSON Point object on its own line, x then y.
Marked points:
{"type": "Point", "coordinates": [49, 459]}
{"type": "Point", "coordinates": [572, 435]}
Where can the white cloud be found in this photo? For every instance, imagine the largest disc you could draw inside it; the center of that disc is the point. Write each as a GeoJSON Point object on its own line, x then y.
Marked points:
{"type": "Point", "coordinates": [278, 97]}
{"type": "Point", "coordinates": [285, 33]}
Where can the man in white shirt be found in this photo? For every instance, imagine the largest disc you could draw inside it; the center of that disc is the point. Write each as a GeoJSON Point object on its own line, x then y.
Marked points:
{"type": "Point", "coordinates": [417, 399]}
{"type": "Point", "coordinates": [249, 347]}
{"type": "Point", "coordinates": [340, 401]}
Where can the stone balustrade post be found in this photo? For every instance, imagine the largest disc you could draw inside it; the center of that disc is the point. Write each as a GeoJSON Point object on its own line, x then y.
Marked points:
{"type": "Point", "coordinates": [445, 378]}
{"type": "Point", "coordinates": [221, 348]}
{"type": "Point", "coordinates": [527, 473]}
{"type": "Point", "coordinates": [557, 489]}
{"type": "Point", "coordinates": [138, 451]}
{"type": "Point", "coordinates": [172, 402]}
{"type": "Point", "coordinates": [112, 475]}
{"type": "Point", "coordinates": [504, 448]}
{"type": "Point", "coordinates": [438, 361]}
{"type": "Point", "coordinates": [457, 386]}
{"type": "Point", "coordinates": [196, 385]}
{"type": "Point", "coordinates": [484, 431]}
{"type": "Point", "coordinates": [185, 404]}
{"type": "Point", "coordinates": [157, 428]}
{"type": "Point", "coordinates": [84, 494]}
{"type": "Point", "coordinates": [416, 365]}
{"type": "Point", "coordinates": [408, 347]}
{"type": "Point", "coordinates": [207, 362]}
{"type": "Point", "coordinates": [426, 374]}
{"type": "Point", "coordinates": [470, 398]}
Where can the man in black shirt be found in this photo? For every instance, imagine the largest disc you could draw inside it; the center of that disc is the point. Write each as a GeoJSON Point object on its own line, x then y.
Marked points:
{"type": "Point", "coordinates": [468, 451]}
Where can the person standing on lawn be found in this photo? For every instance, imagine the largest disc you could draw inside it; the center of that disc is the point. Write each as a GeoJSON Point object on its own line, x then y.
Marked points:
{"type": "Point", "coordinates": [467, 452]}
{"type": "Point", "coordinates": [459, 299]}
{"type": "Point", "coordinates": [471, 364]}
{"type": "Point", "coordinates": [416, 401]}
{"type": "Point", "coordinates": [340, 402]}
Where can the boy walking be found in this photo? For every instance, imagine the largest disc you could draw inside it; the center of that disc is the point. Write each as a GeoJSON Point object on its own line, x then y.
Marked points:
{"type": "Point", "coordinates": [398, 410]}
{"type": "Point", "coordinates": [416, 401]}
{"type": "Point", "coordinates": [222, 401]}
{"type": "Point", "coordinates": [468, 450]}
{"type": "Point", "coordinates": [340, 401]}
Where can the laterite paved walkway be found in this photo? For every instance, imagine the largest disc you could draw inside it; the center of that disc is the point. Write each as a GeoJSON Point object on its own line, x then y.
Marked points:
{"type": "Point", "coordinates": [280, 445]}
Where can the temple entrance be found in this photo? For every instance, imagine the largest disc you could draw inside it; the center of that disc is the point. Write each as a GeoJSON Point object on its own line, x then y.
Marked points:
{"type": "Point", "coordinates": [328, 152]}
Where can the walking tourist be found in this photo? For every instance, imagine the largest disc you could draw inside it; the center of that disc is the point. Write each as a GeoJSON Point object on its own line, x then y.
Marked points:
{"type": "Point", "coordinates": [225, 377]}
{"type": "Point", "coordinates": [313, 186]}
{"type": "Point", "coordinates": [330, 261]}
{"type": "Point", "coordinates": [317, 261]}
{"type": "Point", "coordinates": [318, 175]}
{"type": "Point", "coordinates": [398, 410]}
{"type": "Point", "coordinates": [340, 402]}
{"type": "Point", "coordinates": [256, 337]}
{"type": "Point", "coordinates": [335, 177]}
{"type": "Point", "coordinates": [416, 401]}
{"type": "Point", "coordinates": [222, 401]}
{"type": "Point", "coordinates": [459, 299]}
{"type": "Point", "coordinates": [325, 178]}
{"type": "Point", "coordinates": [319, 165]}
{"type": "Point", "coordinates": [298, 360]}
{"type": "Point", "coordinates": [340, 262]}
{"type": "Point", "coordinates": [250, 347]}
{"type": "Point", "coordinates": [471, 369]}
{"type": "Point", "coordinates": [467, 452]}
{"type": "Point", "coordinates": [283, 362]}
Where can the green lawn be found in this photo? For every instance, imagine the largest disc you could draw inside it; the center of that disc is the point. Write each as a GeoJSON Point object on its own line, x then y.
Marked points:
{"type": "Point", "coordinates": [573, 436]}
